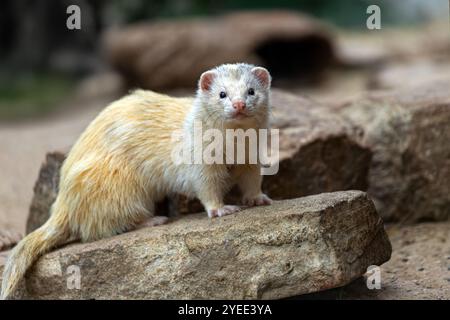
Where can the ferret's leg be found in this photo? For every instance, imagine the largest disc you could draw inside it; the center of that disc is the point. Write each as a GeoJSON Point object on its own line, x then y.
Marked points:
{"type": "Point", "coordinates": [211, 189]}
{"type": "Point", "coordinates": [250, 182]}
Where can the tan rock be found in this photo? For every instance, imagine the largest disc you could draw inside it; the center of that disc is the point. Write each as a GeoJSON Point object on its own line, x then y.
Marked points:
{"type": "Point", "coordinates": [318, 150]}
{"type": "Point", "coordinates": [3, 258]}
{"type": "Point", "coordinates": [290, 248]}
{"type": "Point", "coordinates": [45, 190]}
{"type": "Point", "coordinates": [408, 131]}
{"type": "Point", "coordinates": [417, 270]}
{"type": "Point", "coordinates": [8, 239]}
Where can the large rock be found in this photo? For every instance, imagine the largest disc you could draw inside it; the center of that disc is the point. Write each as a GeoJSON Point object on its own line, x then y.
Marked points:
{"type": "Point", "coordinates": [45, 190]}
{"type": "Point", "coordinates": [408, 131]}
{"type": "Point", "coordinates": [417, 270]}
{"type": "Point", "coordinates": [172, 54]}
{"type": "Point", "coordinates": [317, 154]}
{"type": "Point", "coordinates": [8, 239]}
{"type": "Point", "coordinates": [319, 151]}
{"type": "Point", "coordinates": [293, 247]}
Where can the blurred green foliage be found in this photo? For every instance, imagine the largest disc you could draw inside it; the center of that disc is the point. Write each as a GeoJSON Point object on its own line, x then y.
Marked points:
{"type": "Point", "coordinates": [32, 95]}
{"type": "Point", "coordinates": [345, 13]}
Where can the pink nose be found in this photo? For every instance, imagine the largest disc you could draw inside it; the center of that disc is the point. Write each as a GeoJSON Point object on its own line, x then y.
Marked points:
{"type": "Point", "coordinates": [239, 105]}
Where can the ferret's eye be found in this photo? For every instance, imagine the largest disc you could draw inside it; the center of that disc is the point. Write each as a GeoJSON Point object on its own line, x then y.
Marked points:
{"type": "Point", "coordinates": [251, 91]}
{"type": "Point", "coordinates": [222, 95]}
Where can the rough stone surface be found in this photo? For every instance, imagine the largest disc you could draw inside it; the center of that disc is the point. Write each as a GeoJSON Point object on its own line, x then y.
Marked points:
{"type": "Point", "coordinates": [45, 190]}
{"type": "Point", "coordinates": [408, 131]}
{"type": "Point", "coordinates": [290, 248]}
{"type": "Point", "coordinates": [318, 151]}
{"type": "Point", "coordinates": [317, 154]}
{"type": "Point", "coordinates": [168, 54]}
{"type": "Point", "coordinates": [403, 75]}
{"type": "Point", "coordinates": [8, 238]}
{"type": "Point", "coordinates": [418, 269]}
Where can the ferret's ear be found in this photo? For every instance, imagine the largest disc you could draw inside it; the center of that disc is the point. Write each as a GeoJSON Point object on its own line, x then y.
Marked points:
{"type": "Point", "coordinates": [263, 75]}
{"type": "Point", "coordinates": [206, 80]}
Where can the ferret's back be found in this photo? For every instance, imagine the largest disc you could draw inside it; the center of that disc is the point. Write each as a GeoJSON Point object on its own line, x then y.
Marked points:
{"type": "Point", "coordinates": [148, 105]}
{"type": "Point", "coordinates": [142, 120]}
{"type": "Point", "coordinates": [140, 113]}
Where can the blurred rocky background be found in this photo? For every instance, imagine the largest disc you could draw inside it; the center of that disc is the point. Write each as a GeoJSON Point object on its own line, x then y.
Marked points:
{"type": "Point", "coordinates": [356, 108]}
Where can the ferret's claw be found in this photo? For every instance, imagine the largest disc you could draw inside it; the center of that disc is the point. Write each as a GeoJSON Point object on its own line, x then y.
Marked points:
{"type": "Point", "coordinates": [225, 210]}
{"type": "Point", "coordinates": [259, 200]}
{"type": "Point", "coordinates": [153, 222]}
{"type": "Point", "coordinates": [212, 213]}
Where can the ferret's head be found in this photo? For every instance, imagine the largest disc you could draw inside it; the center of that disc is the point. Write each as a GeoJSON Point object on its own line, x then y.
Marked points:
{"type": "Point", "coordinates": [235, 93]}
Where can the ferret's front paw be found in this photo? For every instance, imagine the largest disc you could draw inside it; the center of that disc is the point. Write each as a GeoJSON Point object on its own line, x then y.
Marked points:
{"type": "Point", "coordinates": [225, 210]}
{"type": "Point", "coordinates": [259, 200]}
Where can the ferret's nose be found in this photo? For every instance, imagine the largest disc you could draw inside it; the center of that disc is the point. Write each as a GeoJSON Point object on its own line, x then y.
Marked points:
{"type": "Point", "coordinates": [239, 105]}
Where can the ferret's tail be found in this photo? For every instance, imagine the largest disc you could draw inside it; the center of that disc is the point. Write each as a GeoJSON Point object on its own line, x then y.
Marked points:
{"type": "Point", "coordinates": [29, 249]}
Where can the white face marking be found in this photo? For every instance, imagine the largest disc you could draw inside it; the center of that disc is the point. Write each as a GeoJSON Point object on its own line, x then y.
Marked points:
{"type": "Point", "coordinates": [236, 84]}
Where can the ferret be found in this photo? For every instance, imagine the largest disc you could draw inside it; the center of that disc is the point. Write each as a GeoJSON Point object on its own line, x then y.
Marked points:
{"type": "Point", "coordinates": [120, 165]}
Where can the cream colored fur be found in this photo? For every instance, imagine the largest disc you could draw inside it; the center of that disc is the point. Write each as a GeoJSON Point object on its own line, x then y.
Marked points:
{"type": "Point", "coordinates": [121, 165]}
